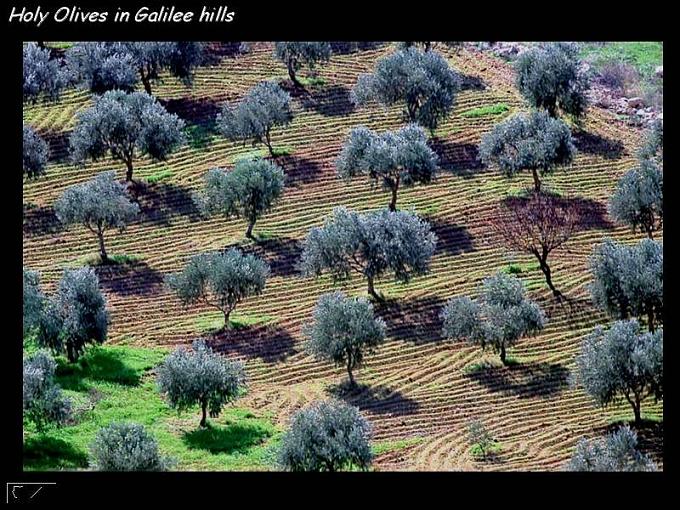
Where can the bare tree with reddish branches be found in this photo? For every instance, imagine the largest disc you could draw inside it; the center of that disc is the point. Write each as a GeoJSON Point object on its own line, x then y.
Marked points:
{"type": "Point", "coordinates": [537, 225]}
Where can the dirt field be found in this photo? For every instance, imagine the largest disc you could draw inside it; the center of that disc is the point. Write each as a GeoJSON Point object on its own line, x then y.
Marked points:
{"type": "Point", "coordinates": [419, 387]}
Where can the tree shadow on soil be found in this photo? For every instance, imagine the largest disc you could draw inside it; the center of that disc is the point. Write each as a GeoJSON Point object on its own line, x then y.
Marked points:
{"type": "Point", "coordinates": [461, 159]}
{"type": "Point", "coordinates": [525, 380]}
{"type": "Point", "coordinates": [590, 214]}
{"type": "Point", "coordinates": [43, 453]}
{"type": "Point", "coordinates": [375, 400]}
{"type": "Point", "coordinates": [134, 279]}
{"type": "Point", "coordinates": [234, 438]}
{"type": "Point", "coordinates": [58, 145]}
{"type": "Point", "coordinates": [597, 145]}
{"type": "Point", "coordinates": [349, 47]}
{"type": "Point", "coordinates": [470, 82]}
{"type": "Point", "coordinates": [194, 111]}
{"type": "Point", "coordinates": [271, 344]}
{"type": "Point", "coordinates": [451, 238]}
{"type": "Point", "coordinates": [158, 202]}
{"type": "Point", "coordinates": [281, 253]}
{"type": "Point", "coordinates": [41, 220]}
{"type": "Point", "coordinates": [414, 320]}
{"type": "Point", "coordinates": [299, 170]}
{"type": "Point", "coordinates": [330, 101]}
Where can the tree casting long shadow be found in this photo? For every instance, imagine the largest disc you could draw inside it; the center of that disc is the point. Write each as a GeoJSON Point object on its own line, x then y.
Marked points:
{"type": "Point", "coordinates": [41, 220]}
{"type": "Point", "coordinates": [525, 380]}
{"type": "Point", "coordinates": [415, 320]}
{"type": "Point", "coordinates": [590, 214]}
{"type": "Point", "coordinates": [461, 159]}
{"type": "Point", "coordinates": [233, 438]}
{"type": "Point", "coordinates": [375, 400]}
{"type": "Point", "coordinates": [451, 238]}
{"type": "Point", "coordinates": [269, 343]}
{"type": "Point", "coordinates": [597, 145]}
{"type": "Point", "coordinates": [158, 202]}
{"type": "Point", "coordinates": [281, 253]}
{"type": "Point", "coordinates": [300, 170]}
{"type": "Point", "coordinates": [134, 279]}
{"type": "Point", "coordinates": [330, 101]}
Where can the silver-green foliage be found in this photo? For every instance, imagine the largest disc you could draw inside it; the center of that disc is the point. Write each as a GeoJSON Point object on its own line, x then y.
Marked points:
{"type": "Point", "coordinates": [393, 158]}
{"type": "Point", "coordinates": [343, 330]}
{"type": "Point", "coordinates": [371, 244]}
{"type": "Point", "coordinates": [326, 436]}
{"type": "Point", "coordinates": [248, 191]}
{"type": "Point", "coordinates": [125, 124]}
{"type": "Point", "coordinates": [549, 77]}
{"type": "Point", "coordinates": [423, 81]}
{"type": "Point", "coordinates": [75, 315]}
{"type": "Point", "coordinates": [638, 198]}
{"type": "Point", "coordinates": [295, 54]}
{"type": "Point", "coordinates": [34, 300]}
{"type": "Point", "coordinates": [263, 108]}
{"type": "Point", "coordinates": [44, 402]}
{"type": "Point", "coordinates": [622, 363]}
{"type": "Point", "coordinates": [122, 446]}
{"type": "Point", "coordinates": [200, 377]}
{"type": "Point", "coordinates": [35, 153]}
{"type": "Point", "coordinates": [102, 66]}
{"type": "Point", "coordinates": [220, 280]}
{"type": "Point", "coordinates": [653, 147]}
{"type": "Point", "coordinates": [498, 318]}
{"type": "Point", "coordinates": [628, 280]}
{"type": "Point", "coordinates": [99, 204]}
{"type": "Point", "coordinates": [615, 452]}
{"type": "Point", "coordinates": [43, 75]}
{"type": "Point", "coordinates": [533, 141]}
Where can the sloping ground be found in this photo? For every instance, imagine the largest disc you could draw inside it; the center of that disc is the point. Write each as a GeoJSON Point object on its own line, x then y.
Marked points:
{"type": "Point", "coordinates": [417, 385]}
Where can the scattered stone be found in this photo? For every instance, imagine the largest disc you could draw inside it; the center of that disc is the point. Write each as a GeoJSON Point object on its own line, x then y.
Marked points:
{"type": "Point", "coordinates": [658, 72]}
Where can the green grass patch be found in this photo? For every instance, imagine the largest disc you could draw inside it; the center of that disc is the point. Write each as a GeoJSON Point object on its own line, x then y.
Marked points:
{"type": "Point", "coordinates": [644, 56]}
{"type": "Point", "coordinates": [491, 364]}
{"type": "Point", "coordinates": [493, 449]}
{"type": "Point", "coordinates": [159, 176]}
{"type": "Point", "coordinates": [392, 446]}
{"type": "Point", "coordinates": [483, 111]}
{"type": "Point", "coordinates": [115, 383]}
{"type": "Point", "coordinates": [60, 45]}
{"type": "Point", "coordinates": [200, 136]}
{"type": "Point", "coordinates": [312, 81]}
{"type": "Point", "coordinates": [430, 210]}
{"type": "Point", "coordinates": [94, 260]}
{"type": "Point", "coordinates": [211, 322]}
{"type": "Point", "coordinates": [521, 268]}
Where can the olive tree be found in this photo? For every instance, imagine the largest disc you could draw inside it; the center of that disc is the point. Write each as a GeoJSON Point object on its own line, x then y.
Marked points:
{"type": "Point", "coordinates": [44, 402]}
{"type": "Point", "coordinates": [653, 147]}
{"type": "Point", "coordinates": [34, 300]}
{"type": "Point", "coordinates": [615, 452]}
{"type": "Point", "coordinates": [622, 363]}
{"type": "Point", "coordinates": [220, 280]}
{"type": "Point", "coordinates": [35, 153]}
{"type": "Point", "coordinates": [549, 78]}
{"type": "Point", "coordinates": [343, 330]}
{"type": "Point", "coordinates": [422, 81]}
{"type": "Point", "coordinates": [263, 108]}
{"type": "Point", "coordinates": [248, 191]}
{"type": "Point", "coordinates": [628, 280]}
{"type": "Point", "coordinates": [102, 66]}
{"type": "Point", "coordinates": [295, 54]}
{"type": "Point", "coordinates": [43, 75]}
{"type": "Point", "coordinates": [537, 226]}
{"type": "Point", "coordinates": [371, 244]}
{"type": "Point", "coordinates": [393, 158]}
{"type": "Point", "coordinates": [326, 436]}
{"type": "Point", "coordinates": [75, 315]}
{"type": "Point", "coordinates": [125, 125]}
{"type": "Point", "coordinates": [533, 141]}
{"type": "Point", "coordinates": [200, 377]}
{"type": "Point", "coordinates": [122, 446]}
{"type": "Point", "coordinates": [100, 204]}
{"type": "Point", "coordinates": [638, 198]}
{"type": "Point", "coordinates": [179, 58]}
{"type": "Point", "coordinates": [498, 318]}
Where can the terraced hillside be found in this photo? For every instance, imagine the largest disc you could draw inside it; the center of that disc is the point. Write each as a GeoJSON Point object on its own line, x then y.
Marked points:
{"type": "Point", "coordinates": [420, 389]}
